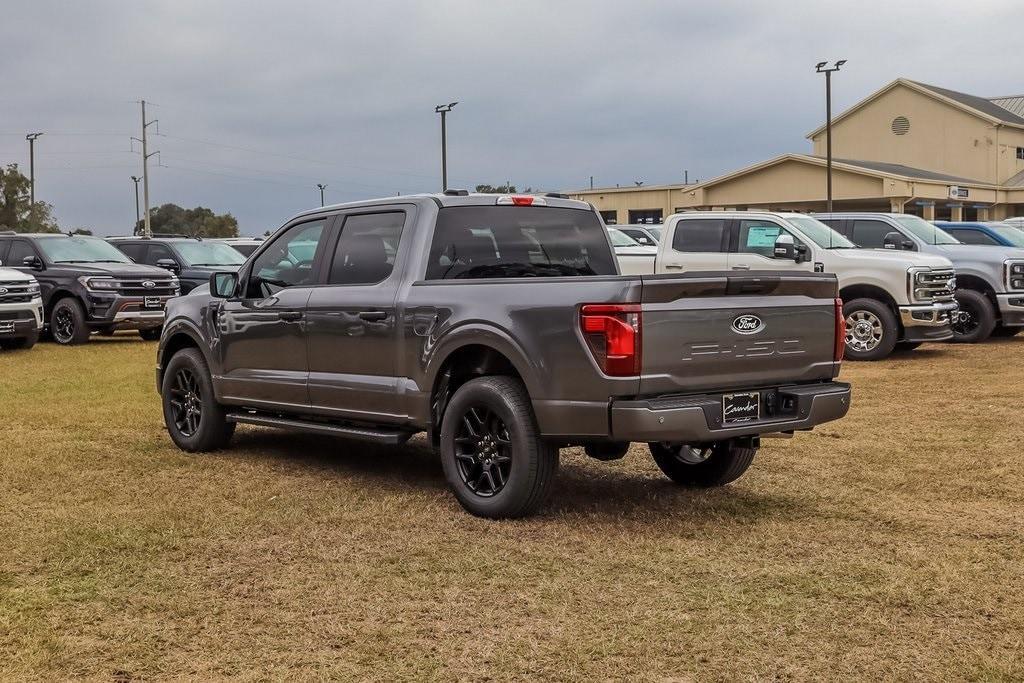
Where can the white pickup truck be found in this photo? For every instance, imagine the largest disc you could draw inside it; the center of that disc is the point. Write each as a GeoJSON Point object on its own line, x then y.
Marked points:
{"type": "Point", "coordinates": [890, 298]}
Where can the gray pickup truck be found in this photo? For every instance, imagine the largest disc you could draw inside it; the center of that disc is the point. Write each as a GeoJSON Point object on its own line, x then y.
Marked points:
{"type": "Point", "coordinates": [501, 327]}
{"type": "Point", "coordinates": [989, 279]}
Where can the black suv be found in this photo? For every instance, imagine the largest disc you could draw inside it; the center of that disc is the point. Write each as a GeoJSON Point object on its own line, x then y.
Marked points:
{"type": "Point", "coordinates": [89, 286]}
{"type": "Point", "coordinates": [192, 259]}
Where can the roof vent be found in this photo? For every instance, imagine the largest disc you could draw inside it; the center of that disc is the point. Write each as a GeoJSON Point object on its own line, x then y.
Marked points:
{"type": "Point", "coordinates": [900, 125]}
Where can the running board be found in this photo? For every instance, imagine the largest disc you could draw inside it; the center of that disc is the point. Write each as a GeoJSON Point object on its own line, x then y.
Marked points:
{"type": "Point", "coordinates": [388, 437]}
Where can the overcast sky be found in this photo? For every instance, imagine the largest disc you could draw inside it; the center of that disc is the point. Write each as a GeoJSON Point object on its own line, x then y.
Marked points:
{"type": "Point", "coordinates": [258, 102]}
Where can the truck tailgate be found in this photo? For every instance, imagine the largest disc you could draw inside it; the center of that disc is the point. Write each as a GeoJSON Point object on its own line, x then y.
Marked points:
{"type": "Point", "coordinates": [718, 330]}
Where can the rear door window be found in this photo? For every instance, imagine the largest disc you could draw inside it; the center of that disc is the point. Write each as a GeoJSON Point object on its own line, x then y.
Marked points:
{"type": "Point", "coordinates": [475, 242]}
{"type": "Point", "coordinates": [700, 236]}
{"type": "Point", "coordinates": [870, 234]}
{"type": "Point", "coordinates": [366, 250]}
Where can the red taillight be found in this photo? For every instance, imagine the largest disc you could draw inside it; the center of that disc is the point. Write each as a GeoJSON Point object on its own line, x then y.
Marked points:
{"type": "Point", "coordinates": [840, 332]}
{"type": "Point", "coordinates": [613, 333]}
{"type": "Point", "coordinates": [522, 201]}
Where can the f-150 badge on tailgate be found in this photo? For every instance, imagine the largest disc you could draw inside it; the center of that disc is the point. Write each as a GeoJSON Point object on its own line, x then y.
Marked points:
{"type": "Point", "coordinates": [747, 324]}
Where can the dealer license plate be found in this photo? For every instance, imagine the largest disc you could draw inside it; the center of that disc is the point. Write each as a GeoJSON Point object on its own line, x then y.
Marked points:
{"type": "Point", "coordinates": [153, 302]}
{"type": "Point", "coordinates": [741, 407]}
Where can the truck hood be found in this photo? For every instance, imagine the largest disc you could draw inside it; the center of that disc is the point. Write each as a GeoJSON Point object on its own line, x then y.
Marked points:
{"type": "Point", "coordinates": [903, 259]}
{"type": "Point", "coordinates": [118, 269]}
{"type": "Point", "coordinates": [11, 275]}
{"type": "Point", "coordinates": [983, 254]}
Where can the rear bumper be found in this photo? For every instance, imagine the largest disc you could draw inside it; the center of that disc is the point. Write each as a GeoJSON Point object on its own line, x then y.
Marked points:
{"type": "Point", "coordinates": [697, 419]}
{"type": "Point", "coordinates": [1011, 309]}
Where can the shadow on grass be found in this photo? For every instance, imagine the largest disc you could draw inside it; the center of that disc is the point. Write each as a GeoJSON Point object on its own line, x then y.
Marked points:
{"type": "Point", "coordinates": [598, 492]}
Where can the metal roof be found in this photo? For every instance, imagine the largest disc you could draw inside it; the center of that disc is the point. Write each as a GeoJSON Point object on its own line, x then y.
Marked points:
{"type": "Point", "coordinates": [906, 171]}
{"type": "Point", "coordinates": [1012, 103]}
{"type": "Point", "coordinates": [980, 104]}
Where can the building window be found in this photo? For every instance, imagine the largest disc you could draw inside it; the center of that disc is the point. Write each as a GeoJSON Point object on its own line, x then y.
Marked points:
{"type": "Point", "coordinates": [901, 125]}
{"type": "Point", "coordinates": [1020, 152]}
{"type": "Point", "coordinates": [610, 217]}
{"type": "Point", "coordinates": [649, 216]}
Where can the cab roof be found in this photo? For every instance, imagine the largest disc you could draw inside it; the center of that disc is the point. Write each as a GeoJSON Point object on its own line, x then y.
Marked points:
{"type": "Point", "coordinates": [456, 198]}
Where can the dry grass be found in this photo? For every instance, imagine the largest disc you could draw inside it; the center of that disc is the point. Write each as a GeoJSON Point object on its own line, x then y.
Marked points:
{"type": "Point", "coordinates": [885, 546]}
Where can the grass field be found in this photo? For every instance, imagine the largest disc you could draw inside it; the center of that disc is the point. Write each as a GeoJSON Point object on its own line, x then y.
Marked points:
{"type": "Point", "coordinates": [889, 545]}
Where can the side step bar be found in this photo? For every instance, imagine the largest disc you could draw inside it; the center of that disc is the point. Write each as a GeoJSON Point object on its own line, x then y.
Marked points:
{"type": "Point", "coordinates": [387, 437]}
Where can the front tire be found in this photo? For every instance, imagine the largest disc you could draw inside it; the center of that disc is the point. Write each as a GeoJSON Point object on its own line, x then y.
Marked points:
{"type": "Point", "coordinates": [871, 329]}
{"type": "Point", "coordinates": [976, 318]}
{"type": "Point", "coordinates": [194, 419]}
{"type": "Point", "coordinates": [493, 456]}
{"type": "Point", "coordinates": [68, 325]}
{"type": "Point", "coordinates": [718, 464]}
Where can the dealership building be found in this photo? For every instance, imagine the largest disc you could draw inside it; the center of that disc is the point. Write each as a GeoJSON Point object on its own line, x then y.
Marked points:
{"type": "Point", "coordinates": [909, 147]}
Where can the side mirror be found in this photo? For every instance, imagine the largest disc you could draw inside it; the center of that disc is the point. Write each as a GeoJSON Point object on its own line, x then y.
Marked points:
{"type": "Point", "coordinates": [785, 247]}
{"type": "Point", "coordinates": [169, 264]}
{"type": "Point", "coordinates": [896, 240]}
{"type": "Point", "coordinates": [33, 262]}
{"type": "Point", "coordinates": [801, 253]}
{"type": "Point", "coordinates": [223, 285]}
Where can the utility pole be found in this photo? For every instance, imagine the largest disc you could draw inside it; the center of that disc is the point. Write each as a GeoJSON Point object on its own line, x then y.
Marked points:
{"type": "Point", "coordinates": [322, 187]}
{"type": "Point", "coordinates": [135, 228]}
{"type": "Point", "coordinates": [31, 137]}
{"type": "Point", "coordinates": [443, 110]}
{"type": "Point", "coordinates": [146, 154]}
{"type": "Point", "coordinates": [591, 182]}
{"type": "Point", "coordinates": [823, 68]}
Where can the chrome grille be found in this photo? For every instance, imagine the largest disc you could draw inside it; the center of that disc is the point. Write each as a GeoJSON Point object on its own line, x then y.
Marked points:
{"type": "Point", "coordinates": [936, 285]}
{"type": "Point", "coordinates": [17, 292]}
{"type": "Point", "coordinates": [163, 286]}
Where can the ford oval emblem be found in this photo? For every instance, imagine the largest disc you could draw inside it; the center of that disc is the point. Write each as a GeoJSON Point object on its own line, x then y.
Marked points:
{"type": "Point", "coordinates": [747, 324]}
{"type": "Point", "coordinates": [149, 284]}
{"type": "Point", "coordinates": [3, 290]}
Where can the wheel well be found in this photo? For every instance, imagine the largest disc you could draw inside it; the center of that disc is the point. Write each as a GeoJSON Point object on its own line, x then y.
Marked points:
{"type": "Point", "coordinates": [980, 285]}
{"type": "Point", "coordinates": [56, 296]}
{"type": "Point", "coordinates": [173, 345]}
{"type": "Point", "coordinates": [463, 364]}
{"type": "Point", "coordinates": [870, 292]}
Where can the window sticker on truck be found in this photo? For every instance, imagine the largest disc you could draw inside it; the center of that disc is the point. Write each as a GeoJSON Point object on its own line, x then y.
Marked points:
{"type": "Point", "coordinates": [761, 236]}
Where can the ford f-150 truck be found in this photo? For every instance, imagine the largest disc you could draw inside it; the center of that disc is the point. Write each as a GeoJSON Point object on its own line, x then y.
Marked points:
{"type": "Point", "coordinates": [21, 310]}
{"type": "Point", "coordinates": [989, 280]}
{"type": "Point", "coordinates": [501, 327]}
{"type": "Point", "coordinates": [888, 298]}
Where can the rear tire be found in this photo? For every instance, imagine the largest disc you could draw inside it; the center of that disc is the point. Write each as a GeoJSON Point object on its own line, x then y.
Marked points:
{"type": "Point", "coordinates": [976, 318]}
{"type": "Point", "coordinates": [23, 343]}
{"type": "Point", "coordinates": [493, 456]}
{"type": "Point", "coordinates": [716, 465]}
{"type": "Point", "coordinates": [194, 419]}
{"type": "Point", "coordinates": [871, 329]}
{"type": "Point", "coordinates": [68, 325]}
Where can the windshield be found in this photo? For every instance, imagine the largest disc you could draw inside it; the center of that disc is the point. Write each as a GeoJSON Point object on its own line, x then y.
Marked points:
{"type": "Point", "coordinates": [208, 254]}
{"type": "Point", "coordinates": [820, 234]}
{"type": "Point", "coordinates": [80, 250]}
{"type": "Point", "coordinates": [925, 231]}
{"type": "Point", "coordinates": [621, 239]}
{"type": "Point", "coordinates": [1010, 233]}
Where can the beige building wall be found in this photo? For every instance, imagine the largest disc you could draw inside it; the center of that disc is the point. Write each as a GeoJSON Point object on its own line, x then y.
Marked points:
{"type": "Point", "coordinates": [1009, 139]}
{"type": "Point", "coordinates": [942, 137]}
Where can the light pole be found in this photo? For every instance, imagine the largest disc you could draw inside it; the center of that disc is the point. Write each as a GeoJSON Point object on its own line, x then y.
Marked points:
{"type": "Point", "coordinates": [322, 187]}
{"type": "Point", "coordinates": [443, 110]}
{"type": "Point", "coordinates": [823, 68]}
{"type": "Point", "coordinates": [135, 228]}
{"type": "Point", "coordinates": [31, 137]}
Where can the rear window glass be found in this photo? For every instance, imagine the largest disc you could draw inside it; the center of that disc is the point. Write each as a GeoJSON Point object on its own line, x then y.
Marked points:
{"type": "Point", "coordinates": [477, 242]}
{"type": "Point", "coordinates": [699, 235]}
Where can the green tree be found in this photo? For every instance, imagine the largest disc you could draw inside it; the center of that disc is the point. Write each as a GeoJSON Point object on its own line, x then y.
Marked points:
{"type": "Point", "coordinates": [16, 213]}
{"type": "Point", "coordinates": [197, 222]}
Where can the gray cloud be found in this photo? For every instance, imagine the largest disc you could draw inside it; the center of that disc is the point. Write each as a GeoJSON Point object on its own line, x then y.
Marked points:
{"type": "Point", "coordinates": [550, 93]}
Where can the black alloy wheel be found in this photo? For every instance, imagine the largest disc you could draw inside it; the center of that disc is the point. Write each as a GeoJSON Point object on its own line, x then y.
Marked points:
{"type": "Point", "coordinates": [186, 402]}
{"type": "Point", "coordinates": [483, 451]}
{"type": "Point", "coordinates": [63, 325]}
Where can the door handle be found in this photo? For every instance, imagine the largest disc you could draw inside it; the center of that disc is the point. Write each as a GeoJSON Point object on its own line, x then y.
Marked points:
{"type": "Point", "coordinates": [673, 266]}
{"type": "Point", "coordinates": [372, 316]}
{"type": "Point", "coordinates": [741, 267]}
{"type": "Point", "coordinates": [289, 316]}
